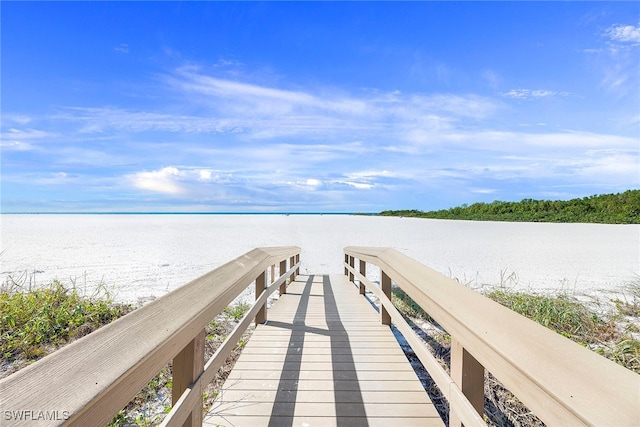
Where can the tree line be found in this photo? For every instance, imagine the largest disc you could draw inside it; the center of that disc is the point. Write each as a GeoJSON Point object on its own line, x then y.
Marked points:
{"type": "Point", "coordinates": [622, 208]}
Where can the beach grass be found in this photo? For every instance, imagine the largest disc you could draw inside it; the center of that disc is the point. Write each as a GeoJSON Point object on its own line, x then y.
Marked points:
{"type": "Point", "coordinates": [37, 321]}
{"type": "Point", "coordinates": [612, 333]}
{"type": "Point", "coordinates": [561, 313]}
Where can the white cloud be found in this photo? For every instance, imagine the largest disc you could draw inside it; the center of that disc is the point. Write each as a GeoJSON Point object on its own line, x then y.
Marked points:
{"type": "Point", "coordinates": [183, 180]}
{"type": "Point", "coordinates": [12, 145]}
{"type": "Point", "coordinates": [611, 165]}
{"type": "Point", "coordinates": [624, 33]}
{"type": "Point", "coordinates": [267, 112]}
{"type": "Point", "coordinates": [369, 174]}
{"type": "Point", "coordinates": [532, 93]}
{"type": "Point", "coordinates": [15, 118]}
{"type": "Point", "coordinates": [26, 134]}
{"type": "Point", "coordinates": [483, 190]}
{"type": "Point", "coordinates": [161, 181]}
{"type": "Point", "coordinates": [205, 175]}
{"type": "Point", "coordinates": [521, 141]}
{"type": "Point", "coordinates": [122, 48]}
{"type": "Point", "coordinates": [358, 185]}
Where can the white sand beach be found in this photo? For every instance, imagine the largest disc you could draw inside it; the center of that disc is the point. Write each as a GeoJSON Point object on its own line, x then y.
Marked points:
{"type": "Point", "coordinates": [143, 256]}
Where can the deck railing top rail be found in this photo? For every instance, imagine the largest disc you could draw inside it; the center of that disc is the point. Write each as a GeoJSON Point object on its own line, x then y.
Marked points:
{"type": "Point", "coordinates": [560, 381]}
{"type": "Point", "coordinates": [90, 380]}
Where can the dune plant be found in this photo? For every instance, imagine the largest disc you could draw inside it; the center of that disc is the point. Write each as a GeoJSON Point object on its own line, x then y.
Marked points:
{"type": "Point", "coordinates": [561, 313]}
{"type": "Point", "coordinates": [613, 334]}
{"type": "Point", "coordinates": [36, 321]}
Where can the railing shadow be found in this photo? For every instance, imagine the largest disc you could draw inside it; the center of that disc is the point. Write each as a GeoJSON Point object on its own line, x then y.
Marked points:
{"type": "Point", "coordinates": [283, 409]}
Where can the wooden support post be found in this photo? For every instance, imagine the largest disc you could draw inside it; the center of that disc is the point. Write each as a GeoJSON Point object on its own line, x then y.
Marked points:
{"type": "Point", "coordinates": [385, 286]}
{"type": "Point", "coordinates": [346, 261]}
{"type": "Point", "coordinates": [297, 261]}
{"type": "Point", "coordinates": [261, 316]}
{"type": "Point", "coordinates": [351, 264]}
{"type": "Point", "coordinates": [187, 367]}
{"type": "Point", "coordinates": [273, 274]}
{"type": "Point", "coordinates": [283, 269]}
{"type": "Point", "coordinates": [468, 374]}
{"type": "Point", "coordinates": [363, 271]}
{"type": "Point", "coordinates": [292, 262]}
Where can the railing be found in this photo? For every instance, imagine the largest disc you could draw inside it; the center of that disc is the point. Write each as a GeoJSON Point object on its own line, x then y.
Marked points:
{"type": "Point", "coordinates": [560, 381]}
{"type": "Point", "coordinates": [90, 380]}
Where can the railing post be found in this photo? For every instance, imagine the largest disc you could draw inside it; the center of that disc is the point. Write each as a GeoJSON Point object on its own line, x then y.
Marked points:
{"type": "Point", "coordinates": [346, 261]}
{"type": "Point", "coordinates": [351, 264]}
{"type": "Point", "coordinates": [297, 261]}
{"type": "Point", "coordinates": [292, 262]}
{"type": "Point", "coordinates": [385, 286]}
{"type": "Point", "coordinates": [261, 316]}
{"type": "Point", "coordinates": [283, 269]}
{"type": "Point", "coordinates": [273, 274]}
{"type": "Point", "coordinates": [363, 271]}
{"type": "Point", "coordinates": [468, 374]}
{"type": "Point", "coordinates": [187, 367]}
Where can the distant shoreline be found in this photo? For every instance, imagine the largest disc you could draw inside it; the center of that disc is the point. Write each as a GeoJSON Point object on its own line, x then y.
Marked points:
{"type": "Point", "coordinates": [622, 208]}
{"type": "Point", "coordinates": [187, 213]}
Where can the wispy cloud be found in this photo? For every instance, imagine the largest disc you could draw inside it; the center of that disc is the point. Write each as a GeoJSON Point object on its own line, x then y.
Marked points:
{"type": "Point", "coordinates": [24, 139]}
{"type": "Point", "coordinates": [212, 105]}
{"type": "Point", "coordinates": [225, 142]}
{"type": "Point", "coordinates": [122, 48]}
{"type": "Point", "coordinates": [624, 33]}
{"type": "Point", "coordinates": [621, 69]}
{"type": "Point", "coordinates": [532, 93]}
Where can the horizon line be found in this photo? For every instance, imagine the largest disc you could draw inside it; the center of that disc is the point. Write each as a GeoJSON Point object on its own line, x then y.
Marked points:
{"type": "Point", "coordinates": [181, 213]}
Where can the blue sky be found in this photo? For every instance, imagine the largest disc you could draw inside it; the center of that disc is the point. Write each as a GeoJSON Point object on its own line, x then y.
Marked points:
{"type": "Point", "coordinates": [315, 107]}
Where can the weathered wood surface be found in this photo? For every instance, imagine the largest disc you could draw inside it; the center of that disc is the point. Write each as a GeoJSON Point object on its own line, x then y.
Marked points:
{"type": "Point", "coordinates": [562, 382]}
{"type": "Point", "coordinates": [322, 359]}
{"type": "Point", "coordinates": [90, 380]}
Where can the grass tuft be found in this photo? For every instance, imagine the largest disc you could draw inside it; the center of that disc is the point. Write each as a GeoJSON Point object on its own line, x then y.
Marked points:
{"type": "Point", "coordinates": [37, 321]}
{"type": "Point", "coordinates": [560, 313]}
{"type": "Point", "coordinates": [613, 335]}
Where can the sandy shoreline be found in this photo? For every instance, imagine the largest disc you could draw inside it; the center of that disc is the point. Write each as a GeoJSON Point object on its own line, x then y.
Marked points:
{"type": "Point", "coordinates": [141, 256]}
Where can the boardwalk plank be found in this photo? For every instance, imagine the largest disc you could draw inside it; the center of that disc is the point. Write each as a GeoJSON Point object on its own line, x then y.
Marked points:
{"type": "Point", "coordinates": [322, 359]}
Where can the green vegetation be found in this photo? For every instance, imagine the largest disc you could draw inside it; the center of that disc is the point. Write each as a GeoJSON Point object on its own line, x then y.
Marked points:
{"type": "Point", "coordinates": [560, 313]}
{"type": "Point", "coordinates": [623, 208]}
{"type": "Point", "coordinates": [37, 321]}
{"type": "Point", "coordinates": [613, 335]}
{"type": "Point", "coordinates": [153, 402]}
{"type": "Point", "coordinates": [610, 333]}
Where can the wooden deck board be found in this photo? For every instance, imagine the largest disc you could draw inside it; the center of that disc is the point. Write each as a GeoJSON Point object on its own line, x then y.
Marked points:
{"type": "Point", "coordinates": [322, 359]}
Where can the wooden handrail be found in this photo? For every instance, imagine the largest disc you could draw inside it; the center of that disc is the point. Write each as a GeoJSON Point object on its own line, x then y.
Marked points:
{"type": "Point", "coordinates": [560, 381]}
{"type": "Point", "coordinates": [90, 380]}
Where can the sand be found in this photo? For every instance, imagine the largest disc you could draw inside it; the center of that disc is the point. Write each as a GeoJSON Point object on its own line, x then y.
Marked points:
{"type": "Point", "coordinates": [146, 256]}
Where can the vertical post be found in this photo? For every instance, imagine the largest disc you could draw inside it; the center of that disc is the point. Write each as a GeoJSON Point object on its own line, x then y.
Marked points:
{"type": "Point", "coordinates": [292, 262]}
{"type": "Point", "coordinates": [273, 273]}
{"type": "Point", "coordinates": [468, 374]}
{"type": "Point", "coordinates": [261, 316]}
{"type": "Point", "coordinates": [297, 261]}
{"type": "Point", "coordinates": [385, 286]}
{"type": "Point", "coordinates": [351, 264]}
{"type": "Point", "coordinates": [363, 271]}
{"type": "Point", "coordinates": [187, 367]}
{"type": "Point", "coordinates": [346, 261]}
{"type": "Point", "coordinates": [283, 269]}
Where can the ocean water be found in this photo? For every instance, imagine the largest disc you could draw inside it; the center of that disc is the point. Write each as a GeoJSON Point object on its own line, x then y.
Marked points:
{"type": "Point", "coordinates": [145, 256]}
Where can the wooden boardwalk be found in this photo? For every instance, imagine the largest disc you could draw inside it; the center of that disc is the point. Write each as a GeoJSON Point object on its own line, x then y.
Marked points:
{"type": "Point", "coordinates": [322, 359]}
